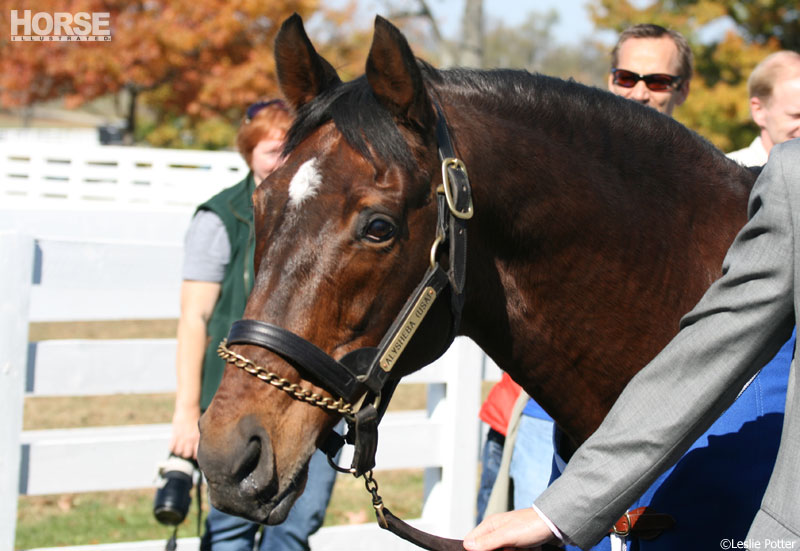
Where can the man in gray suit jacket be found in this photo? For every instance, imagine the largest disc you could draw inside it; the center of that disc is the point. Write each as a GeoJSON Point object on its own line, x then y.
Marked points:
{"type": "Point", "coordinates": [735, 329]}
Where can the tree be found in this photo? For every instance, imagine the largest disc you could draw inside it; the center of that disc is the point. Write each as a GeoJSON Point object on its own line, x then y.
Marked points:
{"type": "Point", "coordinates": [524, 46]}
{"type": "Point", "coordinates": [718, 106]}
{"type": "Point", "coordinates": [490, 44]}
{"type": "Point", "coordinates": [193, 66]}
{"type": "Point", "coordinates": [532, 46]}
{"type": "Point", "coordinates": [472, 54]}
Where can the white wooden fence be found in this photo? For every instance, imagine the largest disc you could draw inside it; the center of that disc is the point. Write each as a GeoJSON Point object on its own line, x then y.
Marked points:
{"type": "Point", "coordinates": [83, 192]}
{"type": "Point", "coordinates": [51, 279]}
{"type": "Point", "coordinates": [52, 175]}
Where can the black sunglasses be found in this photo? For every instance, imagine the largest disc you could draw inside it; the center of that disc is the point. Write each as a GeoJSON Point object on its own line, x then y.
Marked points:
{"type": "Point", "coordinates": [253, 110]}
{"type": "Point", "coordinates": [657, 82]}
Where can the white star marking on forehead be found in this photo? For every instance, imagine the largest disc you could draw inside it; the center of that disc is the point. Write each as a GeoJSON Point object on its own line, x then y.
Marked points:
{"type": "Point", "coordinates": [305, 182]}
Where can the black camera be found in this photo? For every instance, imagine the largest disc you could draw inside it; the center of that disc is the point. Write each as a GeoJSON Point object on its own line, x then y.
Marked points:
{"type": "Point", "coordinates": [174, 493]}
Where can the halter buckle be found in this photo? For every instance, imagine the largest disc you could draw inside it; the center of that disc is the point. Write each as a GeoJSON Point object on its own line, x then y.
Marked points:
{"type": "Point", "coordinates": [456, 164]}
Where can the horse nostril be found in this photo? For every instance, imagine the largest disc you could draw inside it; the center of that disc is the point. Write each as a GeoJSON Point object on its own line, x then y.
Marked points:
{"type": "Point", "coordinates": [239, 454]}
{"type": "Point", "coordinates": [248, 462]}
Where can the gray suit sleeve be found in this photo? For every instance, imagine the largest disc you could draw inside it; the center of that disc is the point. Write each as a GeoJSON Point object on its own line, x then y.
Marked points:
{"type": "Point", "coordinates": [740, 323]}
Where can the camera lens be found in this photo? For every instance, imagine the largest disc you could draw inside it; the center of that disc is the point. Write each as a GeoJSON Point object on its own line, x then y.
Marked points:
{"type": "Point", "coordinates": [173, 496]}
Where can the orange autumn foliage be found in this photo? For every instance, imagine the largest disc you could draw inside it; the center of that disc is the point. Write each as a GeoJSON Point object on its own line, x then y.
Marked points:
{"type": "Point", "coordinates": [189, 60]}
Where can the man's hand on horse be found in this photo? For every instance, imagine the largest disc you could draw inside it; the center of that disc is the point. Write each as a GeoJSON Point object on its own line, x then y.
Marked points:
{"type": "Point", "coordinates": [513, 530]}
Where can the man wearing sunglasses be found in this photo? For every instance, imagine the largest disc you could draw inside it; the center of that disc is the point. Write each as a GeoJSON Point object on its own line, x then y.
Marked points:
{"type": "Point", "coordinates": [774, 91]}
{"type": "Point", "coordinates": [651, 65]}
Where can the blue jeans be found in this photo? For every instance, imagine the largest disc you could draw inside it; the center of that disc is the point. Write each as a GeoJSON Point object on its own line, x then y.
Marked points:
{"type": "Point", "coordinates": [490, 464]}
{"type": "Point", "coordinates": [531, 460]}
{"type": "Point", "coordinates": [229, 533]}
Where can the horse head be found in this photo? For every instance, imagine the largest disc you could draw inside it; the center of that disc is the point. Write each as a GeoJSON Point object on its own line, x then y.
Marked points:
{"type": "Point", "coordinates": [345, 230]}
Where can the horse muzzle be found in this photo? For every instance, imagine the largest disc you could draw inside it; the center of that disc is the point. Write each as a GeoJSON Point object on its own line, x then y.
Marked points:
{"type": "Point", "coordinates": [240, 468]}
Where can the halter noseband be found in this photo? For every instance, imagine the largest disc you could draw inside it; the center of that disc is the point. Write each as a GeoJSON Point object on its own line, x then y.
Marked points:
{"type": "Point", "coordinates": [366, 371]}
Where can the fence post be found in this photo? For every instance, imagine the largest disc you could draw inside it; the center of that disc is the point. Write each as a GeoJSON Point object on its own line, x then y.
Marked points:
{"type": "Point", "coordinates": [17, 252]}
{"type": "Point", "coordinates": [462, 439]}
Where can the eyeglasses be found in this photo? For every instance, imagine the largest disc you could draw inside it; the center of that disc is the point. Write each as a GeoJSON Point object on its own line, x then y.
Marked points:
{"type": "Point", "coordinates": [657, 82]}
{"type": "Point", "coordinates": [253, 110]}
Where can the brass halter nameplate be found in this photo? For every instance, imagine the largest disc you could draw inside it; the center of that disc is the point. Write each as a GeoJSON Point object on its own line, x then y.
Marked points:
{"type": "Point", "coordinates": [407, 329]}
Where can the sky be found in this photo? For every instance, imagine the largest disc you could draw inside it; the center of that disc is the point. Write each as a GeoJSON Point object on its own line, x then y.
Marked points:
{"type": "Point", "coordinates": [573, 19]}
{"type": "Point", "coordinates": [573, 24]}
{"type": "Point", "coordinates": [572, 27]}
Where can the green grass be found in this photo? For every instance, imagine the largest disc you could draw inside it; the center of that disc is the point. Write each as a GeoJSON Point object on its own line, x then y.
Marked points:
{"type": "Point", "coordinates": [66, 412]}
{"type": "Point", "coordinates": [107, 517]}
{"type": "Point", "coordinates": [402, 492]}
{"type": "Point", "coordinates": [97, 517]}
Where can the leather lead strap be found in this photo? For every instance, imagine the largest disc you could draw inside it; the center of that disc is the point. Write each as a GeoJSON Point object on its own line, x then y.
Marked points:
{"type": "Point", "coordinates": [419, 538]}
{"type": "Point", "coordinates": [428, 541]}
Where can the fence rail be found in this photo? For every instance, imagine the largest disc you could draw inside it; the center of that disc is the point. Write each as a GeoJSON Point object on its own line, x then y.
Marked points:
{"type": "Point", "coordinates": [99, 177]}
{"type": "Point", "coordinates": [77, 191]}
{"type": "Point", "coordinates": [69, 280]}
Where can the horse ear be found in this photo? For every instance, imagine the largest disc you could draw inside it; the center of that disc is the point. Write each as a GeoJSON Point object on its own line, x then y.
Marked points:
{"type": "Point", "coordinates": [302, 73]}
{"type": "Point", "coordinates": [395, 77]}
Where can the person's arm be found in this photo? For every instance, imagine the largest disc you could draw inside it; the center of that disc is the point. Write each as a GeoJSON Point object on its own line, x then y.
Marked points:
{"type": "Point", "coordinates": [197, 303]}
{"type": "Point", "coordinates": [206, 256]}
{"type": "Point", "coordinates": [741, 322]}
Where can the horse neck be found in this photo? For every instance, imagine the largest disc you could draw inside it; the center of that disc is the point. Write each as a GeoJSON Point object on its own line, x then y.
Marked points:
{"type": "Point", "coordinates": [576, 280]}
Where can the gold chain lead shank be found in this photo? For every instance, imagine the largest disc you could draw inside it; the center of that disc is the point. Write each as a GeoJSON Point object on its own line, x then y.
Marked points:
{"type": "Point", "coordinates": [293, 389]}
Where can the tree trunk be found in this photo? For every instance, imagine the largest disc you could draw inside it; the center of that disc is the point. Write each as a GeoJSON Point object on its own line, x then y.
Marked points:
{"type": "Point", "coordinates": [130, 126]}
{"type": "Point", "coordinates": [472, 41]}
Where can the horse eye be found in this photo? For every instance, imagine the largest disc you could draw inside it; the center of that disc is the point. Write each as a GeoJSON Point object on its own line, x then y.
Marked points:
{"type": "Point", "coordinates": [379, 230]}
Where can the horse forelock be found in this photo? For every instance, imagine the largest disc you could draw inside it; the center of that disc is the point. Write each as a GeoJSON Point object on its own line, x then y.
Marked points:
{"type": "Point", "coordinates": [363, 123]}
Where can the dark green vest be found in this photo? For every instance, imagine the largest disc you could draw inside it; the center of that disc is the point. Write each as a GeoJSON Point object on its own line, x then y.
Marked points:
{"type": "Point", "coordinates": [235, 208]}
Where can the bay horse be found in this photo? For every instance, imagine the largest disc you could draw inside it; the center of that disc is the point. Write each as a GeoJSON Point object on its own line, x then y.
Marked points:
{"type": "Point", "coordinates": [597, 223]}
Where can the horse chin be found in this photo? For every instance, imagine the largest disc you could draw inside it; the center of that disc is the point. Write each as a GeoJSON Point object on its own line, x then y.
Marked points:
{"type": "Point", "coordinates": [262, 505]}
{"type": "Point", "coordinates": [279, 513]}
{"type": "Point", "coordinates": [284, 501]}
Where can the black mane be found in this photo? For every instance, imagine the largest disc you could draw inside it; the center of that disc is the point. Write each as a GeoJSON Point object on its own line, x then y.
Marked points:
{"type": "Point", "coordinates": [564, 106]}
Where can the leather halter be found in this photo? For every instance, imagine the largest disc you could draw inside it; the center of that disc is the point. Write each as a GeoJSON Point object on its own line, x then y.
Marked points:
{"type": "Point", "coordinates": [366, 371]}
